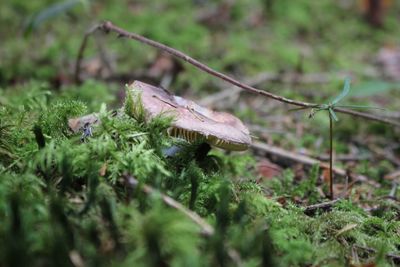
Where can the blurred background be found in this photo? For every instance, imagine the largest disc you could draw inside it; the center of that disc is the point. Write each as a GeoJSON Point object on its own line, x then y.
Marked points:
{"type": "Point", "coordinates": [298, 49]}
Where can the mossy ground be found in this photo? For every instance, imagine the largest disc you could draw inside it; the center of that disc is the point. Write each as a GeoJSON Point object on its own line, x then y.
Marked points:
{"type": "Point", "coordinates": [66, 202]}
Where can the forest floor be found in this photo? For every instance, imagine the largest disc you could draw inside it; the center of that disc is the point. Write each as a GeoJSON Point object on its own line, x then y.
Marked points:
{"type": "Point", "coordinates": [114, 198]}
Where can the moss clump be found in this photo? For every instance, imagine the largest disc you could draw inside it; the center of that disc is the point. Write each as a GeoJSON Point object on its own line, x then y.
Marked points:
{"type": "Point", "coordinates": [68, 200]}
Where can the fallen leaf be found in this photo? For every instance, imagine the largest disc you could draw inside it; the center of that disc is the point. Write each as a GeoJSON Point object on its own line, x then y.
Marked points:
{"type": "Point", "coordinates": [325, 175]}
{"type": "Point", "coordinates": [267, 169]}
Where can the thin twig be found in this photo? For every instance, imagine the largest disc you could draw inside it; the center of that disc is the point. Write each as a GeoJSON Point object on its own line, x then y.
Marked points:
{"type": "Point", "coordinates": [324, 206]}
{"type": "Point", "coordinates": [228, 91]}
{"type": "Point", "coordinates": [81, 50]}
{"type": "Point", "coordinates": [331, 156]}
{"type": "Point", "coordinates": [392, 256]}
{"type": "Point", "coordinates": [105, 58]}
{"type": "Point", "coordinates": [368, 116]}
{"type": "Point", "coordinates": [343, 157]}
{"type": "Point", "coordinates": [295, 157]}
{"type": "Point", "coordinates": [385, 153]}
{"type": "Point", "coordinates": [354, 255]}
{"type": "Point", "coordinates": [206, 228]}
{"type": "Point", "coordinates": [108, 26]}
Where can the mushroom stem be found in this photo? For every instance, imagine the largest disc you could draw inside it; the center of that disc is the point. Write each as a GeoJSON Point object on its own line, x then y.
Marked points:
{"type": "Point", "coordinates": [202, 152]}
{"type": "Point", "coordinates": [199, 155]}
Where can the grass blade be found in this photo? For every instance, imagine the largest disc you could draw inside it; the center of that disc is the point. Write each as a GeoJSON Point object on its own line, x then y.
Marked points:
{"type": "Point", "coordinates": [345, 91]}
{"type": "Point", "coordinates": [333, 114]}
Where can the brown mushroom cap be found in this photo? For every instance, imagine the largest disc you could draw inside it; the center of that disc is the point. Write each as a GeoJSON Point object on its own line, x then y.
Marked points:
{"type": "Point", "coordinates": [191, 121]}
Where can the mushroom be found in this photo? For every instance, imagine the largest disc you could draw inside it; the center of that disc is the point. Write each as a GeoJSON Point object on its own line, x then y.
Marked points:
{"type": "Point", "coordinates": [191, 122]}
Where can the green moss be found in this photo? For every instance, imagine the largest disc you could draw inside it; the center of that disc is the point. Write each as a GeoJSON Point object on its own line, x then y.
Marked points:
{"type": "Point", "coordinates": [62, 199]}
{"type": "Point", "coordinates": [76, 191]}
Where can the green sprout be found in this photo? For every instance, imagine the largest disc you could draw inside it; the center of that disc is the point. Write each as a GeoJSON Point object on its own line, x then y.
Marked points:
{"type": "Point", "coordinates": [334, 104]}
{"type": "Point", "coordinates": [330, 107]}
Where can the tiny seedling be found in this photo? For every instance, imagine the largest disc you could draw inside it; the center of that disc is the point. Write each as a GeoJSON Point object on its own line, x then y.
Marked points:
{"type": "Point", "coordinates": [330, 107]}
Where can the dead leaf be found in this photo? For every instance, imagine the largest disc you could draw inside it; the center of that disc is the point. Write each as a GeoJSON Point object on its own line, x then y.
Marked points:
{"type": "Point", "coordinates": [325, 175]}
{"type": "Point", "coordinates": [267, 169]}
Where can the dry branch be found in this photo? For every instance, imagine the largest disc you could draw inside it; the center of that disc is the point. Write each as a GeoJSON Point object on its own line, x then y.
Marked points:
{"type": "Point", "coordinates": [324, 206]}
{"type": "Point", "coordinates": [206, 228]}
{"type": "Point", "coordinates": [295, 157]}
{"type": "Point", "coordinates": [394, 257]}
{"type": "Point", "coordinates": [110, 27]}
{"type": "Point", "coordinates": [232, 91]}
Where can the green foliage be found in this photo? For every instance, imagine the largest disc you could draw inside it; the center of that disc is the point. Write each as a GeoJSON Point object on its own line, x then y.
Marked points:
{"type": "Point", "coordinates": [169, 239]}
{"type": "Point", "coordinates": [54, 121]}
{"type": "Point", "coordinates": [50, 12]}
{"type": "Point", "coordinates": [70, 196]}
{"type": "Point", "coordinates": [92, 93]}
{"type": "Point", "coordinates": [133, 105]}
{"type": "Point", "coordinates": [63, 200]}
{"type": "Point", "coordinates": [307, 188]}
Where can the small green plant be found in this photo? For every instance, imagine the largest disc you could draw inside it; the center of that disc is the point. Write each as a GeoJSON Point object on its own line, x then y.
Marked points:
{"type": "Point", "coordinates": [330, 107]}
{"type": "Point", "coordinates": [133, 105]}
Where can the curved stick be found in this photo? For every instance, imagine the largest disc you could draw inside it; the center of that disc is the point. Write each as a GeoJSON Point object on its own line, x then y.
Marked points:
{"type": "Point", "coordinates": [108, 26]}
